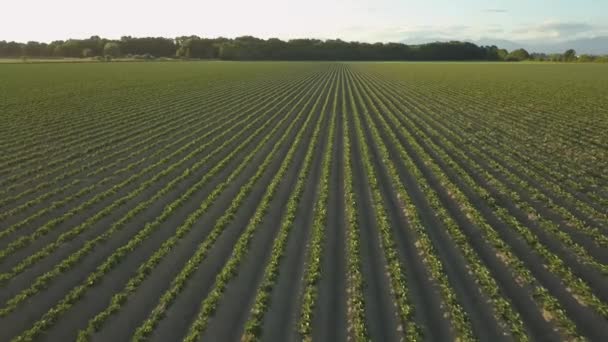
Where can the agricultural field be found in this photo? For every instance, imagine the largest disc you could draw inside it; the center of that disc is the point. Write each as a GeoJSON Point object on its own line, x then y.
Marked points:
{"type": "Point", "coordinates": [286, 201]}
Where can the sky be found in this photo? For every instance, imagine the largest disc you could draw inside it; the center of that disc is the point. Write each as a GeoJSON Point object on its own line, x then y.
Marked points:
{"type": "Point", "coordinates": [357, 20]}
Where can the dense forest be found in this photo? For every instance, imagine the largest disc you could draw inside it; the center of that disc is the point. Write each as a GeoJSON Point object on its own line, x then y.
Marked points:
{"type": "Point", "coordinates": [252, 48]}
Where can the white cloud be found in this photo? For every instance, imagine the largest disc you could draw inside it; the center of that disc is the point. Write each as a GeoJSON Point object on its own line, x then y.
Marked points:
{"type": "Point", "coordinates": [409, 33]}
{"type": "Point", "coordinates": [553, 31]}
{"type": "Point", "coordinates": [556, 30]}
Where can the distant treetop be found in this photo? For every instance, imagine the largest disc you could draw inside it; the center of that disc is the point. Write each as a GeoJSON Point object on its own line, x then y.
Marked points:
{"type": "Point", "coordinates": [252, 48]}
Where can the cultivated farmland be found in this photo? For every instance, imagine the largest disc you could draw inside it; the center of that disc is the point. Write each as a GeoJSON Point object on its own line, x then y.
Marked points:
{"type": "Point", "coordinates": [280, 201]}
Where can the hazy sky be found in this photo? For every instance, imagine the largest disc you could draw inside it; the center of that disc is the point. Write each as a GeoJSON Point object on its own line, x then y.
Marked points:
{"type": "Point", "coordinates": [363, 20]}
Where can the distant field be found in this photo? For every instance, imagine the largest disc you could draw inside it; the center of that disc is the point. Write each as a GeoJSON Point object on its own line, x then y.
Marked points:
{"type": "Point", "coordinates": [77, 60]}
{"type": "Point", "coordinates": [43, 60]}
{"type": "Point", "coordinates": [283, 201]}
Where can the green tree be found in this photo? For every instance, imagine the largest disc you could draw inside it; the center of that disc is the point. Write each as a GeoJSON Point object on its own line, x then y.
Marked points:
{"type": "Point", "coordinates": [111, 49]}
{"type": "Point", "coordinates": [502, 54]}
{"type": "Point", "coordinates": [58, 50]}
{"type": "Point", "coordinates": [518, 55]}
{"type": "Point", "coordinates": [11, 49]}
{"type": "Point", "coordinates": [34, 49]}
{"type": "Point", "coordinates": [602, 59]}
{"type": "Point", "coordinates": [556, 57]}
{"type": "Point", "coordinates": [586, 58]}
{"type": "Point", "coordinates": [87, 52]}
{"type": "Point", "coordinates": [570, 55]}
{"type": "Point", "coordinates": [72, 48]}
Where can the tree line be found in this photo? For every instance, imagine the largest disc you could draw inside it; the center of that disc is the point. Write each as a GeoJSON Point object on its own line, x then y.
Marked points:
{"type": "Point", "coordinates": [252, 48]}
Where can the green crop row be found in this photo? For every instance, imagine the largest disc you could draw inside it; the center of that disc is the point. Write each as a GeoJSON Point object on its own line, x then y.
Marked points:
{"type": "Point", "coordinates": [554, 263]}
{"type": "Point", "coordinates": [424, 244]}
{"type": "Point", "coordinates": [355, 300]}
{"type": "Point", "coordinates": [541, 161]}
{"type": "Point", "coordinates": [144, 270]}
{"type": "Point", "coordinates": [547, 302]}
{"type": "Point", "coordinates": [193, 131]}
{"type": "Point", "coordinates": [500, 158]}
{"type": "Point", "coordinates": [209, 304]}
{"type": "Point", "coordinates": [119, 299]}
{"type": "Point", "coordinates": [312, 273]}
{"type": "Point", "coordinates": [396, 271]}
{"type": "Point", "coordinates": [150, 227]}
{"type": "Point", "coordinates": [166, 101]}
{"type": "Point", "coordinates": [227, 126]}
{"type": "Point", "coordinates": [253, 326]}
{"type": "Point", "coordinates": [133, 136]}
{"type": "Point", "coordinates": [468, 112]}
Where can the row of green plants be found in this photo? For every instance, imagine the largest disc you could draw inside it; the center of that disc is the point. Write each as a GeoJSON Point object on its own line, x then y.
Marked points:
{"type": "Point", "coordinates": [355, 302]}
{"type": "Point", "coordinates": [505, 190]}
{"type": "Point", "coordinates": [88, 247]}
{"type": "Point", "coordinates": [119, 299]}
{"type": "Point", "coordinates": [25, 240]}
{"type": "Point", "coordinates": [482, 274]}
{"type": "Point", "coordinates": [73, 140]}
{"type": "Point", "coordinates": [38, 200]}
{"type": "Point", "coordinates": [189, 107]}
{"type": "Point", "coordinates": [548, 168]}
{"type": "Point", "coordinates": [313, 271]}
{"type": "Point", "coordinates": [232, 124]}
{"type": "Point", "coordinates": [66, 167]}
{"type": "Point", "coordinates": [209, 304]}
{"type": "Point", "coordinates": [573, 220]}
{"type": "Point", "coordinates": [529, 107]}
{"type": "Point", "coordinates": [70, 262]}
{"type": "Point", "coordinates": [549, 226]}
{"type": "Point", "coordinates": [30, 152]}
{"type": "Point", "coordinates": [455, 311]}
{"type": "Point", "coordinates": [149, 143]}
{"type": "Point", "coordinates": [98, 141]}
{"type": "Point", "coordinates": [524, 277]}
{"type": "Point", "coordinates": [529, 113]}
{"type": "Point", "coordinates": [570, 171]}
{"type": "Point", "coordinates": [191, 97]}
{"type": "Point", "coordinates": [396, 273]}
{"type": "Point", "coordinates": [97, 322]}
{"type": "Point", "coordinates": [255, 321]}
{"type": "Point", "coordinates": [38, 116]}
{"type": "Point", "coordinates": [576, 285]}
{"type": "Point", "coordinates": [42, 103]}
{"type": "Point", "coordinates": [472, 109]}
